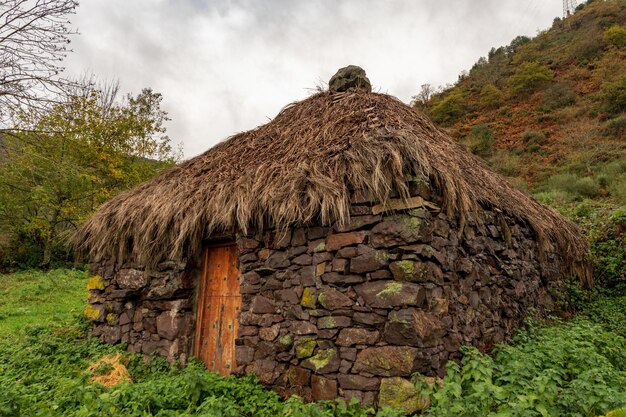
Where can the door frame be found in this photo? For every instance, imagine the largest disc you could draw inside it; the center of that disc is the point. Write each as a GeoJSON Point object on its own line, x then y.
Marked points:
{"type": "Point", "coordinates": [202, 288]}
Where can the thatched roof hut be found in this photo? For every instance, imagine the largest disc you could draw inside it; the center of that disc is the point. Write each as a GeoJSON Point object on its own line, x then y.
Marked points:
{"type": "Point", "coordinates": [344, 244]}
{"type": "Point", "coordinates": [303, 166]}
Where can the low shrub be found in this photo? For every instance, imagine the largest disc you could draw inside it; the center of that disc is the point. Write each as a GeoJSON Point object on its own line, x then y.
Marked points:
{"type": "Point", "coordinates": [608, 250]}
{"type": "Point", "coordinates": [616, 36]}
{"type": "Point", "coordinates": [556, 97]}
{"type": "Point", "coordinates": [574, 185]}
{"type": "Point", "coordinates": [45, 372]}
{"type": "Point", "coordinates": [615, 126]}
{"type": "Point", "coordinates": [573, 369]}
{"type": "Point", "coordinates": [491, 96]}
{"type": "Point", "coordinates": [505, 163]}
{"type": "Point", "coordinates": [529, 77]}
{"type": "Point", "coordinates": [613, 97]}
{"type": "Point", "coordinates": [480, 141]}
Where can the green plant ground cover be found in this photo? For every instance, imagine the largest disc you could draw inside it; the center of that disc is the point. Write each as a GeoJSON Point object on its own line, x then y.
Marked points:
{"type": "Point", "coordinates": [34, 297]}
{"type": "Point", "coordinates": [573, 368]}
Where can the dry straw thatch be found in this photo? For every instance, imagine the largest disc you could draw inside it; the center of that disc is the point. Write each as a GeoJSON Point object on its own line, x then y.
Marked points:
{"type": "Point", "coordinates": [300, 167]}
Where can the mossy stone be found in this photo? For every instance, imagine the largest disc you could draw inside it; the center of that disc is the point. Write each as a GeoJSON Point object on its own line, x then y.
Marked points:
{"type": "Point", "coordinates": [286, 340]}
{"type": "Point", "coordinates": [97, 283]}
{"type": "Point", "coordinates": [305, 347]}
{"type": "Point", "coordinates": [401, 394]}
{"type": "Point", "coordinates": [324, 361]}
{"type": "Point", "coordinates": [309, 299]}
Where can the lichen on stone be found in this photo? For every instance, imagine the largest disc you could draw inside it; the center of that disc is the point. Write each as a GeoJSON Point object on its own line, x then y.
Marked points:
{"type": "Point", "coordinates": [305, 347]}
{"type": "Point", "coordinates": [92, 313]}
{"type": "Point", "coordinates": [327, 322]}
{"type": "Point", "coordinates": [96, 283]}
{"type": "Point", "coordinates": [322, 358]}
{"type": "Point", "coordinates": [111, 319]}
{"type": "Point", "coordinates": [412, 222]}
{"type": "Point", "coordinates": [309, 299]}
{"type": "Point", "coordinates": [320, 248]}
{"type": "Point", "coordinates": [406, 266]}
{"type": "Point", "coordinates": [400, 394]}
{"type": "Point", "coordinates": [391, 288]}
{"type": "Point", "coordinates": [286, 340]}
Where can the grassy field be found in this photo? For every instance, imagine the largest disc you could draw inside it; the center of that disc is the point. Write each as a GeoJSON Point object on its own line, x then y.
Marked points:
{"type": "Point", "coordinates": [554, 368]}
{"type": "Point", "coordinates": [35, 297]}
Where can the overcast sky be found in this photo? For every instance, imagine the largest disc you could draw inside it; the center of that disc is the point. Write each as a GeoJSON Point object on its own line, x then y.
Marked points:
{"type": "Point", "coordinates": [225, 66]}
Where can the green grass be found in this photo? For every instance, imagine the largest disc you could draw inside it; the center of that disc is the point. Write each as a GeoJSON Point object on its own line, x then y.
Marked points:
{"type": "Point", "coordinates": [37, 297]}
{"type": "Point", "coordinates": [555, 368]}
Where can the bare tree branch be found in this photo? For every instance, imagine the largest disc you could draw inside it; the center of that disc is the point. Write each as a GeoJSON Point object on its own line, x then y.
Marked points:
{"type": "Point", "coordinates": [34, 38]}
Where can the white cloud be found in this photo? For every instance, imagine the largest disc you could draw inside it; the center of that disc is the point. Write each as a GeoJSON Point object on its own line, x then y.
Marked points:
{"type": "Point", "coordinates": [227, 66]}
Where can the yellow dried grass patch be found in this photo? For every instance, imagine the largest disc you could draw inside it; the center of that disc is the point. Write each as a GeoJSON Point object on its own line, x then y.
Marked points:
{"type": "Point", "coordinates": [109, 370]}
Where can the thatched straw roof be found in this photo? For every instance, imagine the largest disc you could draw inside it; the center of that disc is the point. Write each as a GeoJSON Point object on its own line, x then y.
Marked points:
{"type": "Point", "coordinates": [301, 167]}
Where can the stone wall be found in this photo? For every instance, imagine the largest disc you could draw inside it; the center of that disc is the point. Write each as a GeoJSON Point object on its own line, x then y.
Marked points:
{"type": "Point", "coordinates": [151, 310]}
{"type": "Point", "coordinates": [350, 311]}
{"type": "Point", "coordinates": [347, 311]}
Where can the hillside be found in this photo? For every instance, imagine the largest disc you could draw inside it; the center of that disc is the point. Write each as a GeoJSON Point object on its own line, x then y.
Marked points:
{"type": "Point", "coordinates": [548, 112]}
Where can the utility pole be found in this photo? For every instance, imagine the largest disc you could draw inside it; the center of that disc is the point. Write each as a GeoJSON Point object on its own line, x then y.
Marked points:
{"type": "Point", "coordinates": [569, 6]}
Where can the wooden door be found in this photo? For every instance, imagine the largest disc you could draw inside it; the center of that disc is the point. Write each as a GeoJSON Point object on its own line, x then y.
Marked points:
{"type": "Point", "coordinates": [219, 301]}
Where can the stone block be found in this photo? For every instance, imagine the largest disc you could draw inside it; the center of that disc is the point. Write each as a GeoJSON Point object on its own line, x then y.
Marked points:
{"type": "Point", "coordinates": [331, 299]}
{"type": "Point", "coordinates": [323, 388]}
{"type": "Point", "coordinates": [269, 333]}
{"type": "Point", "coordinates": [358, 382]}
{"type": "Point", "coordinates": [357, 336]}
{"type": "Point", "coordinates": [339, 240]}
{"type": "Point", "coordinates": [369, 260]}
{"type": "Point", "coordinates": [386, 361]}
{"type": "Point", "coordinates": [402, 394]}
{"type": "Point", "coordinates": [324, 362]}
{"type": "Point", "coordinates": [333, 322]}
{"type": "Point", "coordinates": [399, 230]}
{"type": "Point", "coordinates": [390, 294]}
{"type": "Point", "coordinates": [263, 305]}
{"type": "Point", "coordinates": [415, 271]}
{"type": "Point", "coordinates": [132, 279]}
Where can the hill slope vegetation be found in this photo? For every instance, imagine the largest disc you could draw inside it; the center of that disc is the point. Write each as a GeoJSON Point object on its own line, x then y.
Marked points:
{"type": "Point", "coordinates": [548, 112]}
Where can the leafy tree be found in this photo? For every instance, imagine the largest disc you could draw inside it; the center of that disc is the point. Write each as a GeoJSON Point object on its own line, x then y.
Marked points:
{"type": "Point", "coordinates": [81, 153]}
{"type": "Point", "coordinates": [425, 94]}
{"type": "Point", "coordinates": [33, 41]}
{"type": "Point", "coordinates": [529, 77]}
{"type": "Point", "coordinates": [449, 108]}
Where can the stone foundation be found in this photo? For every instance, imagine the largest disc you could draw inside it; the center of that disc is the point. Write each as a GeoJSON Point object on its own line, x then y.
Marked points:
{"type": "Point", "coordinates": [329, 311]}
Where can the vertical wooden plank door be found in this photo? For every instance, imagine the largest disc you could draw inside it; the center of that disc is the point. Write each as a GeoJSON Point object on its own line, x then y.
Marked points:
{"type": "Point", "coordinates": [219, 301]}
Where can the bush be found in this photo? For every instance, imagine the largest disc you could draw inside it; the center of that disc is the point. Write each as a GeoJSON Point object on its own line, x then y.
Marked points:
{"type": "Point", "coordinates": [615, 126]}
{"type": "Point", "coordinates": [574, 369]}
{"type": "Point", "coordinates": [533, 137]}
{"type": "Point", "coordinates": [608, 249]}
{"type": "Point", "coordinates": [505, 163]}
{"type": "Point", "coordinates": [557, 97]}
{"type": "Point", "coordinates": [450, 108]}
{"type": "Point", "coordinates": [529, 77]}
{"type": "Point", "coordinates": [587, 49]}
{"type": "Point", "coordinates": [578, 187]}
{"type": "Point", "coordinates": [613, 97]}
{"type": "Point", "coordinates": [616, 36]}
{"type": "Point", "coordinates": [491, 96]}
{"type": "Point", "coordinates": [480, 141]}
